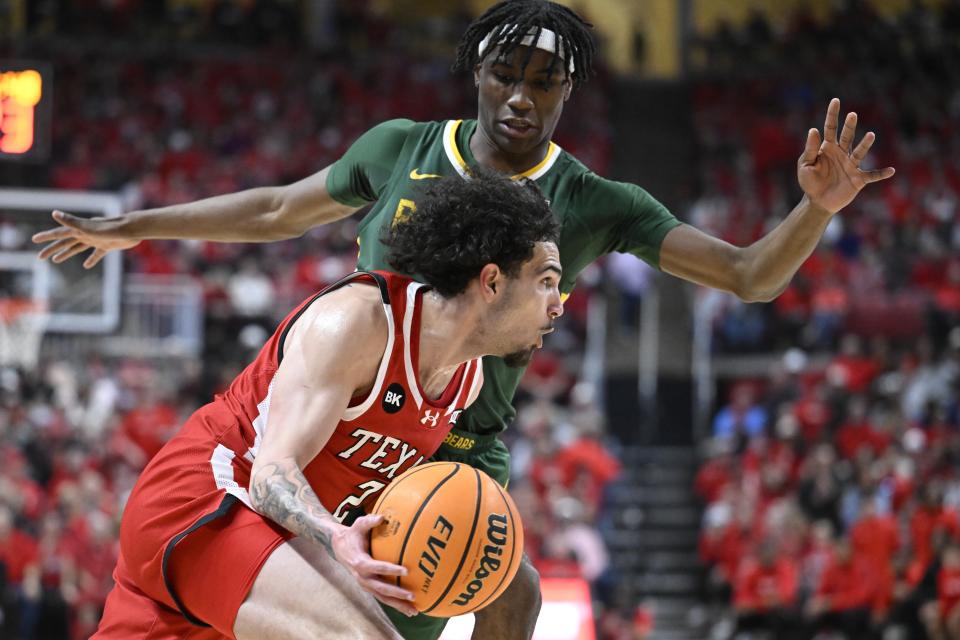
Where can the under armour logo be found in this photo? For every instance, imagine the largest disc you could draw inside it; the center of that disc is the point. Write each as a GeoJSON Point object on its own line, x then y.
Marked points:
{"type": "Point", "coordinates": [393, 398]}
{"type": "Point", "coordinates": [431, 417]}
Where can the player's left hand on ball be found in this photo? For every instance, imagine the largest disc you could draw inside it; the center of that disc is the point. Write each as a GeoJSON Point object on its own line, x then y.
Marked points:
{"type": "Point", "coordinates": [352, 548]}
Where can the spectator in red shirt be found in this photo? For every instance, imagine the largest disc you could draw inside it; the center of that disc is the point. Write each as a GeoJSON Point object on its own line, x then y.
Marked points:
{"type": "Point", "coordinates": [947, 295]}
{"type": "Point", "coordinates": [929, 517]}
{"type": "Point", "coordinates": [874, 536]}
{"type": "Point", "coordinates": [715, 474]}
{"type": "Point", "coordinates": [818, 555]}
{"type": "Point", "coordinates": [946, 625]}
{"type": "Point", "coordinates": [18, 570]}
{"type": "Point", "coordinates": [853, 370]}
{"type": "Point", "coordinates": [721, 547]}
{"type": "Point", "coordinates": [765, 592]}
{"type": "Point", "coordinates": [586, 463]}
{"type": "Point", "coordinates": [845, 595]}
{"type": "Point", "coordinates": [830, 303]}
{"type": "Point", "coordinates": [151, 424]}
{"type": "Point", "coordinates": [18, 551]}
{"type": "Point", "coordinates": [858, 432]}
{"type": "Point", "coordinates": [813, 412]}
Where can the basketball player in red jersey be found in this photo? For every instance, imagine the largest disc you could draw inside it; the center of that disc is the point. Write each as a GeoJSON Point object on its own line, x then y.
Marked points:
{"type": "Point", "coordinates": [236, 527]}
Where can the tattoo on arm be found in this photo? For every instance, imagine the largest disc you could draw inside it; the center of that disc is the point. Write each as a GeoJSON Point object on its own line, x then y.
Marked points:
{"type": "Point", "coordinates": [280, 491]}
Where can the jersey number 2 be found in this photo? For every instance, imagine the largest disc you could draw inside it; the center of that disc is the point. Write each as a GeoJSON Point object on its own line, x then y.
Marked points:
{"type": "Point", "coordinates": [351, 502]}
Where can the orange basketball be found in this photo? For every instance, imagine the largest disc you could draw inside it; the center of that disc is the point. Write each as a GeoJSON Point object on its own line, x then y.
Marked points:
{"type": "Point", "coordinates": [456, 531]}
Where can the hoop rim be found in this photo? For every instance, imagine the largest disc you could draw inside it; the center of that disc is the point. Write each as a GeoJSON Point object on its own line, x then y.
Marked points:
{"type": "Point", "coordinates": [12, 309]}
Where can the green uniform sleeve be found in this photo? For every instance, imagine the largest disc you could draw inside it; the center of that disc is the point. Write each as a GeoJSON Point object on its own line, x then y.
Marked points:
{"type": "Point", "coordinates": [360, 175]}
{"type": "Point", "coordinates": [631, 220]}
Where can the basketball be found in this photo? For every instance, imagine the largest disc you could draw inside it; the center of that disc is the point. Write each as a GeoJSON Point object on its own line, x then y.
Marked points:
{"type": "Point", "coordinates": [456, 531]}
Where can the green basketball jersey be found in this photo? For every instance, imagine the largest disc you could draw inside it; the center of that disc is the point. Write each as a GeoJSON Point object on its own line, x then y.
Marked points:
{"type": "Point", "coordinates": [393, 161]}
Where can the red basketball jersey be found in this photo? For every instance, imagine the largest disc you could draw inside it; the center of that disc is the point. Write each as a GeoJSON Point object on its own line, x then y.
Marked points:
{"type": "Point", "coordinates": [198, 477]}
{"type": "Point", "coordinates": [380, 436]}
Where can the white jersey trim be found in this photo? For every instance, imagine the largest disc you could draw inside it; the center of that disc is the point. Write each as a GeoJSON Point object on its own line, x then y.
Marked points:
{"type": "Point", "coordinates": [222, 464]}
{"type": "Point", "coordinates": [469, 370]}
{"type": "Point", "coordinates": [477, 381]}
{"type": "Point", "coordinates": [537, 172]}
{"type": "Point", "coordinates": [260, 422]}
{"type": "Point", "coordinates": [450, 146]}
{"type": "Point", "coordinates": [456, 158]}
{"type": "Point", "coordinates": [412, 382]}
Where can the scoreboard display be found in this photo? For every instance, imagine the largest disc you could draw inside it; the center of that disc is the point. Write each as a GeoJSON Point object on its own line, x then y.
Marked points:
{"type": "Point", "coordinates": [26, 98]}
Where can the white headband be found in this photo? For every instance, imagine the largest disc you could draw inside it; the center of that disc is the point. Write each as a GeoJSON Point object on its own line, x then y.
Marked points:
{"type": "Point", "coordinates": [548, 41]}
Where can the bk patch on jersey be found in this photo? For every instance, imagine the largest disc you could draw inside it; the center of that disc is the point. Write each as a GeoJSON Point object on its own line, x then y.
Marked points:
{"type": "Point", "coordinates": [393, 398]}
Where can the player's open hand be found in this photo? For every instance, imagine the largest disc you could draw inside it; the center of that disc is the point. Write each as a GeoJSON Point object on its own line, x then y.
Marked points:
{"type": "Point", "coordinates": [352, 549]}
{"type": "Point", "coordinates": [76, 235]}
{"type": "Point", "coordinates": [829, 169]}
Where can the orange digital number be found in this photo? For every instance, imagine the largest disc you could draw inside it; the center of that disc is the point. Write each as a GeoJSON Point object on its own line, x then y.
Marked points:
{"type": "Point", "coordinates": [20, 92]}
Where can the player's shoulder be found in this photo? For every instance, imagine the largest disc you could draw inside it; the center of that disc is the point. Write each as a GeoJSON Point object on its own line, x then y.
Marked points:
{"type": "Point", "coordinates": [402, 133]}
{"type": "Point", "coordinates": [359, 302]}
{"type": "Point", "coordinates": [589, 185]}
{"type": "Point", "coordinates": [395, 129]}
{"type": "Point", "coordinates": [348, 321]}
{"type": "Point", "coordinates": [406, 127]}
{"type": "Point", "coordinates": [571, 164]}
{"type": "Point", "coordinates": [572, 171]}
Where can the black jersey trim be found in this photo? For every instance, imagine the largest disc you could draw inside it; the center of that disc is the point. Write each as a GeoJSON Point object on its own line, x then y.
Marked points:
{"type": "Point", "coordinates": [225, 505]}
{"type": "Point", "coordinates": [381, 284]}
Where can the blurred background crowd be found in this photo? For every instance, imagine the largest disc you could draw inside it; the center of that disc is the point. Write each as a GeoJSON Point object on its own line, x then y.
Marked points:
{"type": "Point", "coordinates": [831, 488]}
{"type": "Point", "coordinates": [829, 480]}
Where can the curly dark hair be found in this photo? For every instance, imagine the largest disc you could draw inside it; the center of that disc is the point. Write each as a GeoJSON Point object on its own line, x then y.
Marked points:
{"type": "Point", "coordinates": [512, 20]}
{"type": "Point", "coordinates": [460, 225]}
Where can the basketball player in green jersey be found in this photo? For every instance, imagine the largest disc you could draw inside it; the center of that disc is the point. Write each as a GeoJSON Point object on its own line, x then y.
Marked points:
{"type": "Point", "coordinates": [526, 56]}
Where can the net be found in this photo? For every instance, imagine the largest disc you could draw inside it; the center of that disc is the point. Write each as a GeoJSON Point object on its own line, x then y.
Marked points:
{"type": "Point", "coordinates": [22, 324]}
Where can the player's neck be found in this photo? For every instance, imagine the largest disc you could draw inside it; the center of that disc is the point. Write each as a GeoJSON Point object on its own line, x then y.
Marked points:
{"type": "Point", "coordinates": [447, 335]}
{"type": "Point", "coordinates": [486, 152]}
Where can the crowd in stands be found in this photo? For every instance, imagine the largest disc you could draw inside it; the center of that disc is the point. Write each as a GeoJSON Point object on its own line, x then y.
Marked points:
{"type": "Point", "coordinates": [831, 495]}
{"type": "Point", "coordinates": [73, 438]}
{"type": "Point", "coordinates": [249, 23]}
{"type": "Point", "coordinates": [169, 129]}
{"type": "Point", "coordinates": [831, 488]}
{"type": "Point", "coordinates": [890, 263]}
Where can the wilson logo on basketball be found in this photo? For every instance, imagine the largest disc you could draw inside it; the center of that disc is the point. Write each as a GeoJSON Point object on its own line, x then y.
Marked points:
{"type": "Point", "coordinates": [430, 558]}
{"type": "Point", "coordinates": [490, 562]}
{"type": "Point", "coordinates": [459, 537]}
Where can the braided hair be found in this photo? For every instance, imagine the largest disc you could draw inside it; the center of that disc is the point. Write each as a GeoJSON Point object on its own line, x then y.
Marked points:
{"type": "Point", "coordinates": [511, 21]}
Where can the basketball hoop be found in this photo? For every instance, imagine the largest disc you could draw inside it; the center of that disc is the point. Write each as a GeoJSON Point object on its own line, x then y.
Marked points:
{"type": "Point", "coordinates": [22, 323]}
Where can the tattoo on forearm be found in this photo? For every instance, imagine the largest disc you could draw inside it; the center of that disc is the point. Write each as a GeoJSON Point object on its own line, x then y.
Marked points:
{"type": "Point", "coordinates": [280, 491]}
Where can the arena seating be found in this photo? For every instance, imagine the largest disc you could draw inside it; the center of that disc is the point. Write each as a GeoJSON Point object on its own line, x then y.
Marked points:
{"type": "Point", "coordinates": [830, 492]}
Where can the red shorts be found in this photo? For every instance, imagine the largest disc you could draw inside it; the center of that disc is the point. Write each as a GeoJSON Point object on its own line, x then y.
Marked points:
{"type": "Point", "coordinates": [189, 551]}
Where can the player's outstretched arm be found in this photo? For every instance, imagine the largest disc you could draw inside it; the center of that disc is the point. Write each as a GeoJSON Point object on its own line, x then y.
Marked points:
{"type": "Point", "coordinates": [830, 175]}
{"type": "Point", "coordinates": [331, 354]}
{"type": "Point", "coordinates": [263, 214]}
